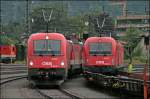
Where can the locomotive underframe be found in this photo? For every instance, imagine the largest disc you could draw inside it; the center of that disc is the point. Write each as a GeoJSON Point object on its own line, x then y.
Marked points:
{"type": "Point", "coordinates": [108, 70]}
{"type": "Point", "coordinates": [47, 76]}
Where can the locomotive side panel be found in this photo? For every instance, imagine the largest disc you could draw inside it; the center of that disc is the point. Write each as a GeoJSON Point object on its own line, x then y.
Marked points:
{"type": "Point", "coordinates": [76, 59]}
{"type": "Point", "coordinates": [76, 55]}
{"type": "Point", "coordinates": [121, 54]}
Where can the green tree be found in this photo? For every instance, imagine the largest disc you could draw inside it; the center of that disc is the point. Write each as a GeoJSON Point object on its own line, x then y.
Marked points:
{"type": "Point", "coordinates": [13, 30]}
{"type": "Point", "coordinates": [6, 40]}
{"type": "Point", "coordinates": [132, 39]}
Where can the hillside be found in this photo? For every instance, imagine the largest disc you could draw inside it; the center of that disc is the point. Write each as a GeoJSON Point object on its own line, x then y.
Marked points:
{"type": "Point", "coordinates": [15, 11]}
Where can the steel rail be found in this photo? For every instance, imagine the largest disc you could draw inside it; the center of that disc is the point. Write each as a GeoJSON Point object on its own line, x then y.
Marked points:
{"type": "Point", "coordinates": [13, 72]}
{"type": "Point", "coordinates": [10, 79]}
{"type": "Point", "coordinates": [70, 94]}
{"type": "Point", "coordinates": [43, 94]}
{"type": "Point", "coordinates": [65, 92]}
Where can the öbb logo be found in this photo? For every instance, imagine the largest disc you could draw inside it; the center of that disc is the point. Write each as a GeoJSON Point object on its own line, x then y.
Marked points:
{"type": "Point", "coordinates": [46, 63]}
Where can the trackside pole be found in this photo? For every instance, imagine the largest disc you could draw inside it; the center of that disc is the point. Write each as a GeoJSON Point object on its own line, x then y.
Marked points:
{"type": "Point", "coordinates": [145, 88]}
{"type": "Point", "coordinates": [145, 85]}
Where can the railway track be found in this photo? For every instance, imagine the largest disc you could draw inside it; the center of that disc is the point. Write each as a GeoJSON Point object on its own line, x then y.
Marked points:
{"type": "Point", "coordinates": [59, 93]}
{"type": "Point", "coordinates": [13, 68]}
{"type": "Point", "coordinates": [10, 79]}
{"type": "Point", "coordinates": [11, 75]}
{"type": "Point", "coordinates": [13, 72]}
{"type": "Point", "coordinates": [16, 87]}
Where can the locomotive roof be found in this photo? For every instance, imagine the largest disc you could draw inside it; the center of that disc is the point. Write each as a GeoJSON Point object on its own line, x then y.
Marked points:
{"type": "Point", "coordinates": [101, 38]}
{"type": "Point", "coordinates": [40, 35]}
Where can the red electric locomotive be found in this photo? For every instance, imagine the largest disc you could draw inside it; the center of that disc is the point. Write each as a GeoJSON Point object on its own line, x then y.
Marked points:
{"type": "Point", "coordinates": [102, 55]}
{"type": "Point", "coordinates": [49, 58]}
{"type": "Point", "coordinates": [7, 53]}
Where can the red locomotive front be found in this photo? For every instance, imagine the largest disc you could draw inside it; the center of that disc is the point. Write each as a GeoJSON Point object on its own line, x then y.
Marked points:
{"type": "Point", "coordinates": [7, 53]}
{"type": "Point", "coordinates": [100, 55]}
{"type": "Point", "coordinates": [47, 58]}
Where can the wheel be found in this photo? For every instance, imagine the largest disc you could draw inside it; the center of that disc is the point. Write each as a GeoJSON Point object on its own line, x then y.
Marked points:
{"type": "Point", "coordinates": [31, 85]}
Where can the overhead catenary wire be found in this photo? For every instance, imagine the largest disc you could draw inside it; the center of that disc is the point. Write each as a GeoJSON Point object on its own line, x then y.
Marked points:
{"type": "Point", "coordinates": [47, 19]}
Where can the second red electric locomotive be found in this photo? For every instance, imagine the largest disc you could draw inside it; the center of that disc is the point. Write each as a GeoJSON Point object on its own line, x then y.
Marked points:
{"type": "Point", "coordinates": [102, 55]}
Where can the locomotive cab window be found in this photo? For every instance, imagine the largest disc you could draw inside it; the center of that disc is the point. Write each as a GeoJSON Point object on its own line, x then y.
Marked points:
{"type": "Point", "coordinates": [100, 48]}
{"type": "Point", "coordinates": [46, 47]}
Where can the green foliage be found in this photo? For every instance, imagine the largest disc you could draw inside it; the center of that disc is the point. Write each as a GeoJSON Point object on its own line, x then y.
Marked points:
{"type": "Point", "coordinates": [132, 39]}
{"type": "Point", "coordinates": [137, 52]}
{"type": "Point", "coordinates": [12, 32]}
{"type": "Point", "coordinates": [140, 51]}
{"type": "Point", "coordinates": [6, 40]}
{"type": "Point", "coordinates": [139, 59]}
{"type": "Point", "coordinates": [13, 28]}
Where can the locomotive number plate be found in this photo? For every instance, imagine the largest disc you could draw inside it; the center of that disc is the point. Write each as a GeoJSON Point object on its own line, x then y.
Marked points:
{"type": "Point", "coordinates": [99, 62]}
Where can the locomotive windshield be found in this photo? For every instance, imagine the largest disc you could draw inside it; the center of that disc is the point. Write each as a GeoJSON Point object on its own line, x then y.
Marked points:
{"type": "Point", "coordinates": [101, 48]}
{"type": "Point", "coordinates": [46, 47]}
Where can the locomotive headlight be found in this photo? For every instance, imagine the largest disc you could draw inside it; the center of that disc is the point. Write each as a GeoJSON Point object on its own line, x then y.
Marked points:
{"type": "Point", "coordinates": [62, 63]}
{"type": "Point", "coordinates": [47, 37]}
{"type": "Point", "coordinates": [31, 63]}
